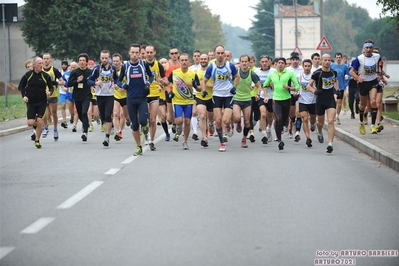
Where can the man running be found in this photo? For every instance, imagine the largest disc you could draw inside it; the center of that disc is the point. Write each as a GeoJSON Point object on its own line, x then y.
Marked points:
{"type": "Point", "coordinates": [33, 86]}
{"type": "Point", "coordinates": [323, 84]}
{"type": "Point", "coordinates": [137, 87]}
{"type": "Point", "coordinates": [222, 73]}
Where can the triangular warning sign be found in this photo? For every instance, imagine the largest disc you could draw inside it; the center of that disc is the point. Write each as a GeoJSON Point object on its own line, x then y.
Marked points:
{"type": "Point", "coordinates": [324, 44]}
{"type": "Point", "coordinates": [297, 50]}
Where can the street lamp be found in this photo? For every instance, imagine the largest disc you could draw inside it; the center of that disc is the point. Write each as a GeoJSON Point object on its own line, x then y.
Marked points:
{"type": "Point", "coordinates": [294, 2]}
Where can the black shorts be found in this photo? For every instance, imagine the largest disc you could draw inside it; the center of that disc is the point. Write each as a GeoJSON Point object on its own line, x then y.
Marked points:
{"type": "Point", "coordinates": [294, 99]}
{"type": "Point", "coordinates": [310, 108]}
{"type": "Point", "coordinates": [162, 102]}
{"type": "Point", "coordinates": [93, 101]}
{"type": "Point", "coordinates": [152, 99]}
{"type": "Point", "coordinates": [268, 105]}
{"type": "Point", "coordinates": [122, 102]}
{"type": "Point", "coordinates": [36, 110]}
{"type": "Point", "coordinates": [207, 103]}
{"type": "Point", "coordinates": [366, 86]}
{"type": "Point", "coordinates": [222, 102]}
{"type": "Point", "coordinates": [322, 104]}
{"type": "Point", "coordinates": [242, 104]}
{"type": "Point", "coordinates": [340, 94]}
{"type": "Point", "coordinates": [52, 100]}
{"type": "Point", "coordinates": [379, 89]}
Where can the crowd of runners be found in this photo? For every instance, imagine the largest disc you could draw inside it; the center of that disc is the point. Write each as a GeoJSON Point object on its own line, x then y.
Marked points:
{"type": "Point", "coordinates": [203, 95]}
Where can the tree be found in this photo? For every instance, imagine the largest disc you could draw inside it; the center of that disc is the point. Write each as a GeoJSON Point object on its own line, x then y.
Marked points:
{"type": "Point", "coordinates": [261, 34]}
{"type": "Point", "coordinates": [387, 42]}
{"type": "Point", "coordinates": [207, 27]}
{"type": "Point", "coordinates": [182, 33]}
{"type": "Point", "coordinates": [391, 6]}
{"type": "Point", "coordinates": [234, 43]}
{"type": "Point", "coordinates": [93, 25]}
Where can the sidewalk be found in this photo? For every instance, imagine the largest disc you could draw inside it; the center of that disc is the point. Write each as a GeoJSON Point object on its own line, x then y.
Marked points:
{"type": "Point", "coordinates": [383, 147]}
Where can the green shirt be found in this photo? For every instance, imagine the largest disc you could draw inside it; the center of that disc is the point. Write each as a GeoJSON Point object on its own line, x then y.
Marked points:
{"type": "Point", "coordinates": [278, 79]}
{"type": "Point", "coordinates": [243, 92]}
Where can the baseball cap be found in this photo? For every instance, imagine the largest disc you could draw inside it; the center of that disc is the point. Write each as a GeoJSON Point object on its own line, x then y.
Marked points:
{"type": "Point", "coordinates": [91, 62]}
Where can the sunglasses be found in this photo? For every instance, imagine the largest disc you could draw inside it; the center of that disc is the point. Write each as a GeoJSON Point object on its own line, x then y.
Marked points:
{"type": "Point", "coordinates": [174, 53]}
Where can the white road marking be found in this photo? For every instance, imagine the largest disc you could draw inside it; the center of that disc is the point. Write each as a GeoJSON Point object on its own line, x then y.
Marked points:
{"type": "Point", "coordinates": [80, 195]}
{"type": "Point", "coordinates": [37, 226]}
{"type": "Point", "coordinates": [4, 251]}
{"type": "Point", "coordinates": [145, 148]}
{"type": "Point", "coordinates": [112, 171]}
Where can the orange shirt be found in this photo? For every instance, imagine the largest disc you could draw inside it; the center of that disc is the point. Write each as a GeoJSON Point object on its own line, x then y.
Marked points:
{"type": "Point", "coordinates": [170, 69]}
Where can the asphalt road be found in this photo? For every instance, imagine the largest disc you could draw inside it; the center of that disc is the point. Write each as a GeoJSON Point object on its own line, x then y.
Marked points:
{"type": "Point", "coordinates": [74, 203]}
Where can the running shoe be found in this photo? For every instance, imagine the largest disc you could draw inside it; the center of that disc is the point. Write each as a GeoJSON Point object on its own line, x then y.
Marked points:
{"type": "Point", "coordinates": [225, 139]}
{"type": "Point", "coordinates": [239, 127]}
{"type": "Point", "coordinates": [64, 124]}
{"type": "Point", "coordinates": [297, 137]}
{"type": "Point", "coordinates": [167, 137]}
{"type": "Point", "coordinates": [74, 128]}
{"type": "Point", "coordinates": [380, 127]}
{"type": "Point", "coordinates": [309, 143]}
{"type": "Point", "coordinates": [138, 151]}
{"type": "Point", "coordinates": [281, 145]}
{"type": "Point", "coordinates": [84, 137]}
{"type": "Point", "coordinates": [229, 131]}
{"type": "Point", "coordinates": [37, 144]}
{"type": "Point", "coordinates": [244, 143]}
{"type": "Point", "coordinates": [174, 128]}
{"type": "Point", "coordinates": [312, 127]}
{"type": "Point", "coordinates": [128, 122]}
{"type": "Point", "coordinates": [269, 132]}
{"type": "Point", "coordinates": [204, 142]}
{"type": "Point", "coordinates": [211, 129]}
{"type": "Point", "coordinates": [352, 116]}
{"type": "Point", "coordinates": [338, 121]}
{"type": "Point", "coordinates": [222, 147]}
{"type": "Point", "coordinates": [329, 149]}
{"type": "Point", "coordinates": [117, 138]}
{"type": "Point", "coordinates": [185, 145]}
{"type": "Point", "coordinates": [102, 128]}
{"type": "Point", "coordinates": [362, 129]}
{"type": "Point", "coordinates": [158, 122]}
{"type": "Point", "coordinates": [195, 136]}
{"type": "Point", "coordinates": [45, 132]}
{"type": "Point", "coordinates": [91, 128]}
{"type": "Point", "coordinates": [146, 129]}
{"type": "Point", "coordinates": [251, 136]}
{"type": "Point", "coordinates": [320, 138]}
{"type": "Point", "coordinates": [55, 134]}
{"type": "Point", "coordinates": [106, 142]}
{"type": "Point", "coordinates": [290, 135]}
{"type": "Point", "coordinates": [152, 146]}
{"type": "Point", "coordinates": [264, 140]}
{"type": "Point", "coordinates": [373, 129]}
{"type": "Point", "coordinates": [176, 137]}
{"type": "Point", "coordinates": [33, 136]}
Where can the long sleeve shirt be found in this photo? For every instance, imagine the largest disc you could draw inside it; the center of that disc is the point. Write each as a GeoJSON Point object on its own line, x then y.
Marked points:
{"type": "Point", "coordinates": [81, 90]}
{"type": "Point", "coordinates": [34, 86]}
{"type": "Point", "coordinates": [279, 79]}
{"type": "Point", "coordinates": [137, 75]}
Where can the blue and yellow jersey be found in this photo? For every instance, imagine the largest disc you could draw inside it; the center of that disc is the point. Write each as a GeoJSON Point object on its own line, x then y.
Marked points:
{"type": "Point", "coordinates": [182, 86]}
{"type": "Point", "coordinates": [52, 72]}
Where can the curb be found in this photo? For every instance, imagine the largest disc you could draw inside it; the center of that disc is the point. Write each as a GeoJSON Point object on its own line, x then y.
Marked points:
{"type": "Point", "coordinates": [13, 130]}
{"type": "Point", "coordinates": [371, 150]}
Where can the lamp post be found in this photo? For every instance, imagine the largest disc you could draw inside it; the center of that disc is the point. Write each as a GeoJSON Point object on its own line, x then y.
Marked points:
{"type": "Point", "coordinates": [5, 55]}
{"type": "Point", "coordinates": [277, 2]}
{"type": "Point", "coordinates": [296, 22]}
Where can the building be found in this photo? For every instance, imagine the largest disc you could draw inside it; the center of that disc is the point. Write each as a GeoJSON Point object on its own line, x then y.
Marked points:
{"type": "Point", "coordinates": [308, 33]}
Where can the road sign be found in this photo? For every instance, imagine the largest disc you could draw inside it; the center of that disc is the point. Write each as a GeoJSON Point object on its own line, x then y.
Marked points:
{"type": "Point", "coordinates": [297, 50]}
{"type": "Point", "coordinates": [324, 44]}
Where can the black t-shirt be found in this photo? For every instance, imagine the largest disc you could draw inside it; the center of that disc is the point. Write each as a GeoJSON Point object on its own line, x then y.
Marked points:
{"type": "Point", "coordinates": [325, 81]}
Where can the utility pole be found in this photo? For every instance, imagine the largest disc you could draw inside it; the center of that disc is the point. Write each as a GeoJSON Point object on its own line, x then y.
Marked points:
{"type": "Point", "coordinates": [5, 56]}
{"type": "Point", "coordinates": [296, 22]}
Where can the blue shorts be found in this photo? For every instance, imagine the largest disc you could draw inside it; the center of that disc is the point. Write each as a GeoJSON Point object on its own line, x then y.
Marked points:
{"type": "Point", "coordinates": [63, 98]}
{"type": "Point", "coordinates": [69, 97]}
{"type": "Point", "coordinates": [180, 110]}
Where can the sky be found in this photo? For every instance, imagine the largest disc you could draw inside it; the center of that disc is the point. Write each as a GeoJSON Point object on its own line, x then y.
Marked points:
{"type": "Point", "coordinates": [238, 12]}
